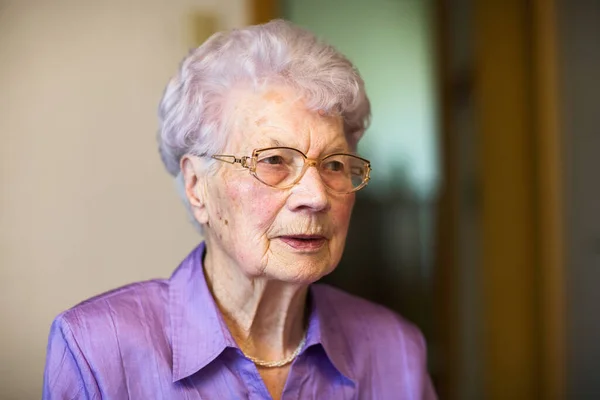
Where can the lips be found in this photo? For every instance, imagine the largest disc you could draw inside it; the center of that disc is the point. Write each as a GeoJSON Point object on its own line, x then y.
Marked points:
{"type": "Point", "coordinates": [304, 242]}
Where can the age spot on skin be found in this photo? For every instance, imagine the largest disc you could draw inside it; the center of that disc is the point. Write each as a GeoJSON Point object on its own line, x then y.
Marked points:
{"type": "Point", "coordinates": [274, 97]}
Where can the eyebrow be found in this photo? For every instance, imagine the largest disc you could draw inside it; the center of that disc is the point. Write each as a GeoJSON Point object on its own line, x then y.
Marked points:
{"type": "Point", "coordinates": [276, 143]}
{"type": "Point", "coordinates": [339, 148]}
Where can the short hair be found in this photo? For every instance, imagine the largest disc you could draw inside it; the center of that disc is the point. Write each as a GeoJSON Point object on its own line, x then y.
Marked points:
{"type": "Point", "coordinates": [192, 109]}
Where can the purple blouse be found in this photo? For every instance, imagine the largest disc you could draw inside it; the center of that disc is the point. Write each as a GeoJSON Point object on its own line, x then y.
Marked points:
{"type": "Point", "coordinates": [165, 339]}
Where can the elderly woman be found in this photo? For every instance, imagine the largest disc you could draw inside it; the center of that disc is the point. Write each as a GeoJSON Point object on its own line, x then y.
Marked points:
{"type": "Point", "coordinates": [260, 127]}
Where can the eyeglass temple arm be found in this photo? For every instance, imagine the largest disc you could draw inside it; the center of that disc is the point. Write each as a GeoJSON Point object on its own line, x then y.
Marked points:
{"type": "Point", "coordinates": [243, 161]}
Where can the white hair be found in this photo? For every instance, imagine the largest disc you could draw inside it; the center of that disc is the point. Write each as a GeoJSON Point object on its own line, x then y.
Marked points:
{"type": "Point", "coordinates": [193, 109]}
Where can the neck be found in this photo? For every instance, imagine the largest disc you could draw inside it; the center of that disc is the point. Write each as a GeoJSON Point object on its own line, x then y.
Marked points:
{"type": "Point", "coordinates": [265, 317]}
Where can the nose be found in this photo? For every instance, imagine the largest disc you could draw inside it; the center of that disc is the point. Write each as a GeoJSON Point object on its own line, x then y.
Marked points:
{"type": "Point", "coordinates": [310, 193]}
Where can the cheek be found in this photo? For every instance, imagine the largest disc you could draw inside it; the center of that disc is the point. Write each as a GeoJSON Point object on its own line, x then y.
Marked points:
{"type": "Point", "coordinates": [251, 209]}
{"type": "Point", "coordinates": [341, 214]}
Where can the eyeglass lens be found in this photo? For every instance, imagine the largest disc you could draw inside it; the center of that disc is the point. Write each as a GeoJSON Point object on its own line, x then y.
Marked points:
{"type": "Point", "coordinates": [281, 168]}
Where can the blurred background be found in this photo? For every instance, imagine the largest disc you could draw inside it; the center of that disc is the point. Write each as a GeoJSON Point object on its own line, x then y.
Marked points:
{"type": "Point", "coordinates": [481, 224]}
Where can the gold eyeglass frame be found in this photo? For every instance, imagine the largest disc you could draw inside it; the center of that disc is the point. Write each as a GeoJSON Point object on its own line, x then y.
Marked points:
{"type": "Point", "coordinates": [250, 164]}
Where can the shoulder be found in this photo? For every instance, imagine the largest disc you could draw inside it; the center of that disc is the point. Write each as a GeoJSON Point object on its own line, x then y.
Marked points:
{"type": "Point", "coordinates": [359, 318]}
{"type": "Point", "coordinates": [117, 316]}
{"type": "Point", "coordinates": [126, 301]}
{"type": "Point", "coordinates": [107, 339]}
{"type": "Point", "coordinates": [375, 341]}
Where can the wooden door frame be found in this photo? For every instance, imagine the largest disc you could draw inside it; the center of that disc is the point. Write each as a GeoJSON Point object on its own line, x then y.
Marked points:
{"type": "Point", "coordinates": [262, 11]}
{"type": "Point", "coordinates": [550, 208]}
{"type": "Point", "coordinates": [523, 261]}
{"type": "Point", "coordinates": [522, 265]}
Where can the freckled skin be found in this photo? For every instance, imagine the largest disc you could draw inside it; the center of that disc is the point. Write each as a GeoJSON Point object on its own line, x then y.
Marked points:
{"type": "Point", "coordinates": [246, 217]}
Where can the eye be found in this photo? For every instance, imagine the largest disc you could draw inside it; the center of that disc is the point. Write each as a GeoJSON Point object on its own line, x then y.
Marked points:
{"type": "Point", "coordinates": [273, 160]}
{"type": "Point", "coordinates": [334, 166]}
{"type": "Point", "coordinates": [358, 171]}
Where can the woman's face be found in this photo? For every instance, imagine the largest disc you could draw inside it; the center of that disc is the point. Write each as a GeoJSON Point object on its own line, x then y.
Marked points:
{"type": "Point", "coordinates": [295, 234]}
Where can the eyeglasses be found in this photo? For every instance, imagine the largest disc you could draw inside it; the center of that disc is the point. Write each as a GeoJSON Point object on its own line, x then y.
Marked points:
{"type": "Point", "coordinates": [283, 167]}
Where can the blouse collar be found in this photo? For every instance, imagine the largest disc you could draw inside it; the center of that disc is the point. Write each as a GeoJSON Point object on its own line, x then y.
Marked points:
{"type": "Point", "coordinates": [199, 334]}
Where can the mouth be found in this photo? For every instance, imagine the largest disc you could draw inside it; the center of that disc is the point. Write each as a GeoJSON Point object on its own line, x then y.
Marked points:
{"type": "Point", "coordinates": [304, 242]}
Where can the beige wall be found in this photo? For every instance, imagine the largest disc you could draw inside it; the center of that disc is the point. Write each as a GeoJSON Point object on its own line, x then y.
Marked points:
{"type": "Point", "coordinates": [85, 204]}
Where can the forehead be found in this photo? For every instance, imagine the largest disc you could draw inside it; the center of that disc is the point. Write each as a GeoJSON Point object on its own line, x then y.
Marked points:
{"type": "Point", "coordinates": [278, 116]}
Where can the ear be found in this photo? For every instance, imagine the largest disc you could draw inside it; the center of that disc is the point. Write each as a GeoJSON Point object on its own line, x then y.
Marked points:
{"type": "Point", "coordinates": [195, 187]}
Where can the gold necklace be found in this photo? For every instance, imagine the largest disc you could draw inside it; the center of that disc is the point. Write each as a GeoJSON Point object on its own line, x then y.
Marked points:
{"type": "Point", "coordinates": [280, 363]}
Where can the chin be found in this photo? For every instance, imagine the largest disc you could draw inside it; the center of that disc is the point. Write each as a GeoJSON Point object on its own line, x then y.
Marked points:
{"type": "Point", "coordinates": [302, 272]}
